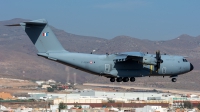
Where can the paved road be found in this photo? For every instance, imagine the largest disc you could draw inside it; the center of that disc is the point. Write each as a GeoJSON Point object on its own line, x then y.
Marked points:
{"type": "Point", "coordinates": [177, 91]}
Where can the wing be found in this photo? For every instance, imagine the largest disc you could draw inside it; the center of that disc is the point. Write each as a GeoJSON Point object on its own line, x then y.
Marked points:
{"type": "Point", "coordinates": [137, 56]}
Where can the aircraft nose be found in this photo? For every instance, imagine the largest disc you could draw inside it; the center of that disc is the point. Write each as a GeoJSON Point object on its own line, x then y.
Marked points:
{"type": "Point", "coordinates": [191, 67]}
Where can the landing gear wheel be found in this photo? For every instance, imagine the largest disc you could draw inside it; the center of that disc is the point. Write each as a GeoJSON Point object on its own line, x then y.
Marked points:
{"type": "Point", "coordinates": [125, 79]}
{"type": "Point", "coordinates": [174, 79]}
{"type": "Point", "coordinates": [132, 79]}
{"type": "Point", "coordinates": [119, 79]}
{"type": "Point", "coordinates": [112, 79]}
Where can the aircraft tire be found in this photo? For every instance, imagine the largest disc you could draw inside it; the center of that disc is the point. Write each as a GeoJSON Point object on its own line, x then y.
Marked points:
{"type": "Point", "coordinates": [125, 79]}
{"type": "Point", "coordinates": [112, 79]}
{"type": "Point", "coordinates": [174, 79]}
{"type": "Point", "coordinates": [132, 79]}
{"type": "Point", "coordinates": [119, 79]}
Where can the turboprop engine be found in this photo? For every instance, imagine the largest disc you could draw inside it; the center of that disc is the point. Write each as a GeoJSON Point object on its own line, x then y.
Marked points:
{"type": "Point", "coordinates": [149, 60]}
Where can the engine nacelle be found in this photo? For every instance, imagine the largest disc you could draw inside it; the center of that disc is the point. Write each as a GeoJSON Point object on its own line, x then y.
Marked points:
{"type": "Point", "coordinates": [149, 60]}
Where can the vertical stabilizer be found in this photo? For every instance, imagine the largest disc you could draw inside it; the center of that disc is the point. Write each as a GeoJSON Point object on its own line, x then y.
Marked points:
{"type": "Point", "coordinates": [41, 35]}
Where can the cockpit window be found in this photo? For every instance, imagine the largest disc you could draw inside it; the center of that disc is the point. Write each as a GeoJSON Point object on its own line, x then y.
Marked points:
{"type": "Point", "coordinates": [184, 60]}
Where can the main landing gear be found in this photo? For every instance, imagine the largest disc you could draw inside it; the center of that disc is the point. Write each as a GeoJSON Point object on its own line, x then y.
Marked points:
{"type": "Point", "coordinates": [174, 79]}
{"type": "Point", "coordinates": [119, 79]}
{"type": "Point", "coordinates": [112, 79]}
{"type": "Point", "coordinates": [124, 79]}
{"type": "Point", "coordinates": [132, 79]}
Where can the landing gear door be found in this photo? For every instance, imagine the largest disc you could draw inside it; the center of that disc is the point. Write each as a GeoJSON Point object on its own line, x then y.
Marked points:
{"type": "Point", "coordinates": [107, 68]}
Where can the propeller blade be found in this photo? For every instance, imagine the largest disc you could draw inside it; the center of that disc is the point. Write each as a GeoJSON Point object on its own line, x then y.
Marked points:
{"type": "Point", "coordinates": [158, 59]}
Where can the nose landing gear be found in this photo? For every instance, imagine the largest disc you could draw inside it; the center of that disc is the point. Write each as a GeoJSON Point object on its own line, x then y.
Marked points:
{"type": "Point", "coordinates": [132, 79]}
{"type": "Point", "coordinates": [174, 79]}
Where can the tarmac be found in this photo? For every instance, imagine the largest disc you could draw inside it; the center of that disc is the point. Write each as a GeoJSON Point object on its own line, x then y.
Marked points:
{"type": "Point", "coordinates": [177, 91]}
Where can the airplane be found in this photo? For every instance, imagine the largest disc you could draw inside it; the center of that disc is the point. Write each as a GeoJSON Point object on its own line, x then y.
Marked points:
{"type": "Point", "coordinates": [118, 67]}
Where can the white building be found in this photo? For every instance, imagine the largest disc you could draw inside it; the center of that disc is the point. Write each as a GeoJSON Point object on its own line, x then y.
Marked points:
{"type": "Point", "coordinates": [56, 95]}
{"type": "Point", "coordinates": [45, 96]}
{"type": "Point", "coordinates": [123, 95]}
{"type": "Point", "coordinates": [51, 81]}
{"type": "Point", "coordinates": [23, 109]}
{"type": "Point", "coordinates": [3, 108]}
{"type": "Point", "coordinates": [91, 96]}
{"type": "Point", "coordinates": [45, 86]}
{"type": "Point", "coordinates": [194, 96]}
{"type": "Point", "coordinates": [80, 100]}
{"type": "Point", "coordinates": [149, 108]}
{"type": "Point", "coordinates": [40, 82]}
{"type": "Point", "coordinates": [22, 98]}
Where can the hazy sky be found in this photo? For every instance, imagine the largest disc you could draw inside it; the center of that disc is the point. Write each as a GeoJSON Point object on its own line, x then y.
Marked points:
{"type": "Point", "coordinates": [144, 19]}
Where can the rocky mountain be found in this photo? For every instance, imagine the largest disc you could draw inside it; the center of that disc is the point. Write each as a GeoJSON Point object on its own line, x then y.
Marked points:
{"type": "Point", "coordinates": [18, 56]}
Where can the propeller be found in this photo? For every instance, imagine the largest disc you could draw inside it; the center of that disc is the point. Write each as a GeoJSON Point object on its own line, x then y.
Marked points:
{"type": "Point", "coordinates": [159, 60]}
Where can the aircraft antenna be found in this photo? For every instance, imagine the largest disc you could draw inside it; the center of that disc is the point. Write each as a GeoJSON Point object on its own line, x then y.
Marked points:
{"type": "Point", "coordinates": [93, 51]}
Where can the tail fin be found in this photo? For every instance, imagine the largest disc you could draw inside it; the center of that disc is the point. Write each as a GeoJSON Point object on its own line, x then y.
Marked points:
{"type": "Point", "coordinates": [41, 35]}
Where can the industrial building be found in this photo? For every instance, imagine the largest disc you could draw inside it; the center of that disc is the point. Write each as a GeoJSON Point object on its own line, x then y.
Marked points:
{"type": "Point", "coordinates": [123, 95]}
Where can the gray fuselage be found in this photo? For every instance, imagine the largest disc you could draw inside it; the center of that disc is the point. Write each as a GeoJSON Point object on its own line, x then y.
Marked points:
{"type": "Point", "coordinates": [105, 65]}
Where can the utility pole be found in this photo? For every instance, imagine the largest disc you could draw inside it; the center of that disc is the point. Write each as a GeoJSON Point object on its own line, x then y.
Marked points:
{"type": "Point", "coordinates": [68, 78]}
{"type": "Point", "coordinates": [74, 78]}
{"type": "Point", "coordinates": [68, 75]}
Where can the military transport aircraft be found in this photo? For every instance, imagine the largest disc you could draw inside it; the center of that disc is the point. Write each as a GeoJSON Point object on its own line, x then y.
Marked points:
{"type": "Point", "coordinates": [118, 67]}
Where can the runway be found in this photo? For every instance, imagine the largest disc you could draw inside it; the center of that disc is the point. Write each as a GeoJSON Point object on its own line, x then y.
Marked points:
{"type": "Point", "coordinates": [177, 91]}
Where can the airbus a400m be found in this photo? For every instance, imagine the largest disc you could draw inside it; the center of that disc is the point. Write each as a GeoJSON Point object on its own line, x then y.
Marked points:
{"type": "Point", "coordinates": [118, 67]}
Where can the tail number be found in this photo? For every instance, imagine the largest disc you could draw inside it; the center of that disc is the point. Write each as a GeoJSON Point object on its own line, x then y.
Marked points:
{"type": "Point", "coordinates": [107, 68]}
{"type": "Point", "coordinates": [164, 70]}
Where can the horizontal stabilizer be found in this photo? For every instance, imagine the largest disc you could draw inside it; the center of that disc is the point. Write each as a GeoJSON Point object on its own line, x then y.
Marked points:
{"type": "Point", "coordinates": [34, 22]}
{"type": "Point", "coordinates": [39, 21]}
{"type": "Point", "coordinates": [13, 25]}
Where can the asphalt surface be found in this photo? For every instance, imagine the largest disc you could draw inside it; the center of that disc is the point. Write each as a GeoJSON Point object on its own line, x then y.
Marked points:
{"type": "Point", "coordinates": [177, 91]}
